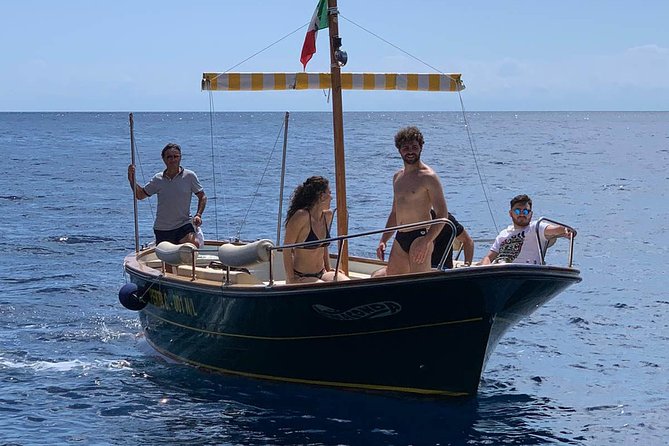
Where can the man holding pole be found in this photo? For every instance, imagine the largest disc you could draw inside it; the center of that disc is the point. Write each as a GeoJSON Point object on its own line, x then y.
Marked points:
{"type": "Point", "coordinates": [175, 187]}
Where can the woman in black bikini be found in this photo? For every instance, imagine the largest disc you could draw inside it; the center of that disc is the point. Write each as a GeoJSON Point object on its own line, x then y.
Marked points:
{"type": "Point", "coordinates": [308, 219]}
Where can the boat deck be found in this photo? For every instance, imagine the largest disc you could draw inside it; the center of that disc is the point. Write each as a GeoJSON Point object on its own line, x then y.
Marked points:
{"type": "Point", "coordinates": [208, 270]}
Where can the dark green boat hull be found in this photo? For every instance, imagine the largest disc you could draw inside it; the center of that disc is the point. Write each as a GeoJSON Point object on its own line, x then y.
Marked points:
{"type": "Point", "coordinates": [427, 334]}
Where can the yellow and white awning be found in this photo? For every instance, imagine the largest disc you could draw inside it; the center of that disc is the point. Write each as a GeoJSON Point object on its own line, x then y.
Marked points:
{"type": "Point", "coordinates": [349, 81]}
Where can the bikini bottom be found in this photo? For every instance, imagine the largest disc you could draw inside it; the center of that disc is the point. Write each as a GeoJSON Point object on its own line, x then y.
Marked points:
{"type": "Point", "coordinates": [301, 275]}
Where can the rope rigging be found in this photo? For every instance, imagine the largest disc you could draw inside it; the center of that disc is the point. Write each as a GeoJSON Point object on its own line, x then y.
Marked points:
{"type": "Point", "coordinates": [474, 150]}
{"type": "Point", "coordinates": [265, 49]}
{"type": "Point", "coordinates": [472, 145]}
{"type": "Point", "coordinates": [255, 194]}
{"type": "Point", "coordinates": [141, 169]}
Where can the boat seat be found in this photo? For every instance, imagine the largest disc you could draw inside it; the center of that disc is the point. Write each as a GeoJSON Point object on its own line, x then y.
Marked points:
{"type": "Point", "coordinates": [245, 255]}
{"type": "Point", "coordinates": [219, 275]}
{"type": "Point", "coordinates": [176, 254]}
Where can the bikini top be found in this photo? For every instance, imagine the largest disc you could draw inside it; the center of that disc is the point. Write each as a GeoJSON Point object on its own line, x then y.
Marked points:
{"type": "Point", "coordinates": [312, 237]}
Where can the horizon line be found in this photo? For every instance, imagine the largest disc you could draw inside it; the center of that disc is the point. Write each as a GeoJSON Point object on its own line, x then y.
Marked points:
{"type": "Point", "coordinates": [329, 111]}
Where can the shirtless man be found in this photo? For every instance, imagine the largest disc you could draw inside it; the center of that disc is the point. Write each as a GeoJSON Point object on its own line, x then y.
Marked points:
{"type": "Point", "coordinates": [416, 190]}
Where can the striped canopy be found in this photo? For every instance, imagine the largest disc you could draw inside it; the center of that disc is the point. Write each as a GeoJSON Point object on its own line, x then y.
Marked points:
{"type": "Point", "coordinates": [349, 81]}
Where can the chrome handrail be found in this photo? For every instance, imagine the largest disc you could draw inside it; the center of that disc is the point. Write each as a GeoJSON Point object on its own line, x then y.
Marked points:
{"type": "Point", "coordinates": [543, 250]}
{"type": "Point", "coordinates": [363, 234]}
{"type": "Point", "coordinates": [449, 245]}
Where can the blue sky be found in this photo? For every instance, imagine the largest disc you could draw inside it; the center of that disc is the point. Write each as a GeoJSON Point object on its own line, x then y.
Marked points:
{"type": "Point", "coordinates": [514, 55]}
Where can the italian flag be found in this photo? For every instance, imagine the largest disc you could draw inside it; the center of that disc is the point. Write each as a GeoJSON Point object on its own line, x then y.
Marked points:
{"type": "Point", "coordinates": [318, 21]}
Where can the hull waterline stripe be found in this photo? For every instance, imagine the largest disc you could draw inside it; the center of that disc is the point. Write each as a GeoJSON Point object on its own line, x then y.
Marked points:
{"type": "Point", "coordinates": [376, 387]}
{"type": "Point", "coordinates": [297, 338]}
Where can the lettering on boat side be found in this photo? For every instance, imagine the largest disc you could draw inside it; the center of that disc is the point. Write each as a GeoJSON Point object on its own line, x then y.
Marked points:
{"type": "Point", "coordinates": [172, 302]}
{"type": "Point", "coordinates": [367, 311]}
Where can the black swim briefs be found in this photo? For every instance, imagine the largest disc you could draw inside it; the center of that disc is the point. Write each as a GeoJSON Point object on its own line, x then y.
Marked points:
{"type": "Point", "coordinates": [405, 239]}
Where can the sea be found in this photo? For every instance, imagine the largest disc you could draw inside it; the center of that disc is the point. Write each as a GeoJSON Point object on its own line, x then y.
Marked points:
{"type": "Point", "coordinates": [590, 367]}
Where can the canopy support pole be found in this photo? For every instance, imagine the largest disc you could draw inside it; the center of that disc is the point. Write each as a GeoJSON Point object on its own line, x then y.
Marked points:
{"type": "Point", "coordinates": [338, 127]}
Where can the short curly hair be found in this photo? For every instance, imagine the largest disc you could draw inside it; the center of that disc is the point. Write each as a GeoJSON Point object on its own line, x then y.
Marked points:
{"type": "Point", "coordinates": [408, 134]}
{"type": "Point", "coordinates": [521, 199]}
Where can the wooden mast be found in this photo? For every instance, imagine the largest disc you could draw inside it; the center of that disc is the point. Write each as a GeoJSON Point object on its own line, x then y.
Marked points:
{"type": "Point", "coordinates": [338, 126]}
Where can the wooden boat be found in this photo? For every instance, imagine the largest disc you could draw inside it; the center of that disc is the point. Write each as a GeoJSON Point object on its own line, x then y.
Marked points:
{"type": "Point", "coordinates": [226, 307]}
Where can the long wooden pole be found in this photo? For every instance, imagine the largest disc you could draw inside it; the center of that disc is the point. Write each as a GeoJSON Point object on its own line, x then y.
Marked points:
{"type": "Point", "coordinates": [134, 196]}
{"type": "Point", "coordinates": [338, 127]}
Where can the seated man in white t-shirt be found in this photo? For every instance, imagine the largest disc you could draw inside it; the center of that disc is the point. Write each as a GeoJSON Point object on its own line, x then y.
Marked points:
{"type": "Point", "coordinates": [518, 243]}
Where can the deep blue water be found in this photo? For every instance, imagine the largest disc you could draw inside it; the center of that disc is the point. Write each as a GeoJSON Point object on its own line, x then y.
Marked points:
{"type": "Point", "coordinates": [590, 367]}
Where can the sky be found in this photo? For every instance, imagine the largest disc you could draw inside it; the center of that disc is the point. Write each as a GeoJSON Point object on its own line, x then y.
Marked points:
{"type": "Point", "coordinates": [513, 55]}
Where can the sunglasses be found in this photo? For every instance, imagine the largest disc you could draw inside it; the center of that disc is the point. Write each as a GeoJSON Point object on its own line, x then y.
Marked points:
{"type": "Point", "coordinates": [522, 211]}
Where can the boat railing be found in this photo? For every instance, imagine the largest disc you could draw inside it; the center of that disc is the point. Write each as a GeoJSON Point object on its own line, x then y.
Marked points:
{"type": "Point", "coordinates": [346, 237]}
{"type": "Point", "coordinates": [543, 248]}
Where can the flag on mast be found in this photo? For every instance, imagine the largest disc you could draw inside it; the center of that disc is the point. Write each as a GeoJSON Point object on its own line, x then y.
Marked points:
{"type": "Point", "coordinates": [318, 21]}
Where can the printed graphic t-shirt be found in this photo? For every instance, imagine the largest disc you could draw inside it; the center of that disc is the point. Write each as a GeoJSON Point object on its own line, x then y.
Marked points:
{"type": "Point", "coordinates": [520, 245]}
